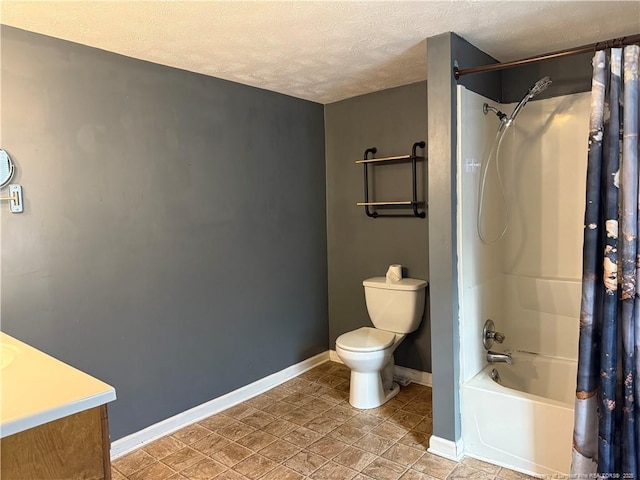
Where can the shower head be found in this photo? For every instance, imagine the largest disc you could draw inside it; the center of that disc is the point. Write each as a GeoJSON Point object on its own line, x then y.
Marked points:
{"type": "Point", "coordinates": [539, 87]}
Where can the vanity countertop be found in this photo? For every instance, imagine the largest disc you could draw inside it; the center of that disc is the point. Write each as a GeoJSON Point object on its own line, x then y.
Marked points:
{"type": "Point", "coordinates": [36, 388]}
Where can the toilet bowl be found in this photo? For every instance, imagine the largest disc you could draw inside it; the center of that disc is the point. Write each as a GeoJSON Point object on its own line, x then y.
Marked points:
{"type": "Point", "coordinates": [368, 353]}
{"type": "Point", "coordinates": [395, 310]}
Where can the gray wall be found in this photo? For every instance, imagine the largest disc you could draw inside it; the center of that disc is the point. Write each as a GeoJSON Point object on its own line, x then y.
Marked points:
{"type": "Point", "coordinates": [361, 247]}
{"type": "Point", "coordinates": [569, 75]}
{"type": "Point", "coordinates": [173, 242]}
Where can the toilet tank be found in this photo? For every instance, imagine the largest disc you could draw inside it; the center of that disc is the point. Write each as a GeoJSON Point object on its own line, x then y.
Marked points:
{"type": "Point", "coordinates": [395, 307]}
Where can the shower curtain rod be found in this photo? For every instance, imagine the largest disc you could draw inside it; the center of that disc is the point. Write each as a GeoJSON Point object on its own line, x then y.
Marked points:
{"type": "Point", "coordinates": [593, 47]}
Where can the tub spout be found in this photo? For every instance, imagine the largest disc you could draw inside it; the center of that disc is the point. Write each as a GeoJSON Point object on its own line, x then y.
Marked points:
{"type": "Point", "coordinates": [495, 357]}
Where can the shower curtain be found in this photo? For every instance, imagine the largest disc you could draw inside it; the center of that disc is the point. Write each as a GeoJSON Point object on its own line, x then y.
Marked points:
{"type": "Point", "coordinates": [606, 437]}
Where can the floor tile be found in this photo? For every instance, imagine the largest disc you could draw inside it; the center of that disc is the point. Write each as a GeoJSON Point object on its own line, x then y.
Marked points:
{"type": "Point", "coordinates": [116, 475]}
{"type": "Point", "coordinates": [416, 439]}
{"type": "Point", "coordinates": [347, 433]}
{"type": "Point", "coordinates": [133, 462]}
{"type": "Point", "coordinates": [417, 406]}
{"type": "Point", "coordinates": [464, 472]}
{"type": "Point", "coordinates": [280, 428]}
{"type": "Point", "coordinates": [260, 402]}
{"type": "Point", "coordinates": [305, 429]}
{"type": "Point", "coordinates": [236, 430]}
{"type": "Point", "coordinates": [177, 476]}
{"type": "Point", "coordinates": [415, 475]}
{"type": "Point", "coordinates": [313, 375]}
{"type": "Point", "coordinates": [434, 465]}
{"type": "Point", "coordinates": [302, 437]}
{"type": "Point", "coordinates": [322, 424]}
{"type": "Point", "coordinates": [282, 473]}
{"type": "Point", "coordinates": [211, 444]}
{"type": "Point", "coordinates": [383, 469]}
{"type": "Point", "coordinates": [314, 389]}
{"type": "Point", "coordinates": [280, 451]}
{"type": "Point", "coordinates": [163, 447]}
{"type": "Point", "coordinates": [374, 443]}
{"type": "Point", "coordinates": [320, 406]}
{"type": "Point", "coordinates": [354, 458]}
{"type": "Point", "coordinates": [403, 454]}
{"type": "Point", "coordinates": [155, 471]}
{"type": "Point", "coordinates": [279, 392]}
{"type": "Point", "coordinates": [333, 471]}
{"type": "Point", "coordinates": [327, 447]}
{"type": "Point", "coordinates": [183, 458]}
{"type": "Point", "coordinates": [335, 396]}
{"type": "Point", "coordinates": [232, 454]}
{"type": "Point", "coordinates": [425, 426]}
{"type": "Point", "coordinates": [216, 422]}
{"type": "Point", "coordinates": [255, 466]}
{"type": "Point", "coordinates": [240, 411]}
{"type": "Point", "coordinates": [505, 474]}
{"type": "Point", "coordinates": [258, 419]}
{"type": "Point", "coordinates": [257, 440]}
{"type": "Point", "coordinates": [389, 431]}
{"type": "Point", "coordinates": [203, 470]}
{"type": "Point", "coordinates": [230, 475]}
{"type": "Point", "coordinates": [300, 416]}
{"type": "Point", "coordinates": [365, 421]}
{"type": "Point", "coordinates": [384, 411]}
{"type": "Point", "coordinates": [405, 419]}
{"type": "Point", "coordinates": [305, 462]}
{"type": "Point", "coordinates": [298, 399]}
{"type": "Point", "coordinates": [340, 413]}
{"type": "Point", "coordinates": [480, 465]}
{"type": "Point", "coordinates": [280, 409]}
{"type": "Point", "coordinates": [191, 434]}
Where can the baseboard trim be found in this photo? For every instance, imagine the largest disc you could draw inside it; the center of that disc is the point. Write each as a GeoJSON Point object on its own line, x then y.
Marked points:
{"type": "Point", "coordinates": [416, 376]}
{"type": "Point", "coordinates": [446, 448]}
{"type": "Point", "coordinates": [153, 432]}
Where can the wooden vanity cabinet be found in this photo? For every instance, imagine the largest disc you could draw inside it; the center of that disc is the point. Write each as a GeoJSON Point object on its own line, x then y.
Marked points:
{"type": "Point", "coordinates": [72, 447]}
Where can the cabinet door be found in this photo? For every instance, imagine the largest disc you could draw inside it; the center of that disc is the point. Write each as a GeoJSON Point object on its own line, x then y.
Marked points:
{"type": "Point", "coordinates": [72, 447]}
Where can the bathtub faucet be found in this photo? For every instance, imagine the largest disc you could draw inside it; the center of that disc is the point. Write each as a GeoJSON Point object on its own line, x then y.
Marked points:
{"type": "Point", "coordinates": [495, 357]}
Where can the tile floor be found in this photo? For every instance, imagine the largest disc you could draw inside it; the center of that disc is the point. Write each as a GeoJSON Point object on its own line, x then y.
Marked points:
{"type": "Point", "coordinates": [306, 429]}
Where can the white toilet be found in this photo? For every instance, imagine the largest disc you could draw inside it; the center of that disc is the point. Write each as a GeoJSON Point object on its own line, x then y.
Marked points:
{"type": "Point", "coordinates": [395, 309]}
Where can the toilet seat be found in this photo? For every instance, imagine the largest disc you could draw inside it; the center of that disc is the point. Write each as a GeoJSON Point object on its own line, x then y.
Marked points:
{"type": "Point", "coordinates": [365, 339]}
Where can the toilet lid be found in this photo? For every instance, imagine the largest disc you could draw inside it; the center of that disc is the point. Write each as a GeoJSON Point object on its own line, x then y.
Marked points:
{"type": "Point", "coordinates": [365, 339]}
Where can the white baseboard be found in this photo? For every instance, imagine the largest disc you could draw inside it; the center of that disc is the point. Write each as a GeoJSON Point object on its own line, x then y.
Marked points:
{"type": "Point", "coordinates": [416, 376]}
{"type": "Point", "coordinates": [153, 432]}
{"type": "Point", "coordinates": [446, 448]}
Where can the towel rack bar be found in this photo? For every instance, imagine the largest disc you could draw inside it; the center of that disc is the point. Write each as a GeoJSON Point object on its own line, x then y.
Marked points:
{"type": "Point", "coordinates": [399, 158]}
{"type": "Point", "coordinates": [402, 202]}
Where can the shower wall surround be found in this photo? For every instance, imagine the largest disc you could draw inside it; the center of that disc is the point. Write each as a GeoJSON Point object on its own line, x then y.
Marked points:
{"type": "Point", "coordinates": [480, 276]}
{"type": "Point", "coordinates": [528, 282]}
{"type": "Point", "coordinates": [545, 174]}
{"type": "Point", "coordinates": [173, 242]}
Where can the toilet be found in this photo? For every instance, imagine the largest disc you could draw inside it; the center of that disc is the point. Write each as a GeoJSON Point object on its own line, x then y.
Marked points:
{"type": "Point", "coordinates": [395, 310]}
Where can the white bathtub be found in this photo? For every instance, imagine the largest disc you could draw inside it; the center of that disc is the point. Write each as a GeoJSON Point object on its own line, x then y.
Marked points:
{"type": "Point", "coordinates": [525, 422]}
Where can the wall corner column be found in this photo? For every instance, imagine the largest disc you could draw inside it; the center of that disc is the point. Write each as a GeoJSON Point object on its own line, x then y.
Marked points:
{"type": "Point", "coordinates": [444, 311]}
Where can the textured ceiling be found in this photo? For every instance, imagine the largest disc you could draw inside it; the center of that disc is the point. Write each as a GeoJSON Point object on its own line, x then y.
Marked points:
{"type": "Point", "coordinates": [319, 50]}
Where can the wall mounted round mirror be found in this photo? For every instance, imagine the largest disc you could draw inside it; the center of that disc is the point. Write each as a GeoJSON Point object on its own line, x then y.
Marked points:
{"type": "Point", "coordinates": [7, 168]}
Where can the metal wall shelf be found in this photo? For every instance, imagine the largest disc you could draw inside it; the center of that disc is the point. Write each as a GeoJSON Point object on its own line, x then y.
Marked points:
{"type": "Point", "coordinates": [413, 203]}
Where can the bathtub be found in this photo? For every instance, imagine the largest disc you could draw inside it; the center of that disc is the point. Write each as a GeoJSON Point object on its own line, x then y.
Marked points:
{"type": "Point", "coordinates": [525, 422]}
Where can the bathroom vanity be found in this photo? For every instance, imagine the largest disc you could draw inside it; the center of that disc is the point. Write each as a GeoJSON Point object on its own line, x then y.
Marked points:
{"type": "Point", "coordinates": [53, 417]}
